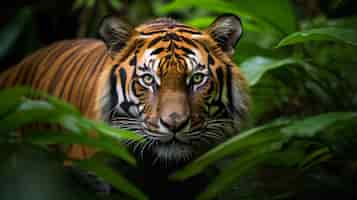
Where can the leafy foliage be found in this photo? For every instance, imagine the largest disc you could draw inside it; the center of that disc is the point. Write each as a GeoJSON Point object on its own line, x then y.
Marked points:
{"type": "Point", "coordinates": [22, 107]}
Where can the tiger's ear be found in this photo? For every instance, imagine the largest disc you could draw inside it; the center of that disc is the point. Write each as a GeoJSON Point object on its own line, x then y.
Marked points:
{"type": "Point", "coordinates": [114, 32]}
{"type": "Point", "coordinates": [226, 30]}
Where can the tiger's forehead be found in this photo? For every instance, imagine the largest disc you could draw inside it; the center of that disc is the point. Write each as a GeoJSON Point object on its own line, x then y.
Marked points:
{"type": "Point", "coordinates": [163, 25]}
{"type": "Point", "coordinates": [170, 44]}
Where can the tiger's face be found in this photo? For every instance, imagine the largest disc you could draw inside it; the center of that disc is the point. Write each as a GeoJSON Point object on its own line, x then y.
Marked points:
{"type": "Point", "coordinates": [176, 85]}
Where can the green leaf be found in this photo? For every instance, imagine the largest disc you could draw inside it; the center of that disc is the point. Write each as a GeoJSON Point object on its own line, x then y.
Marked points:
{"type": "Point", "coordinates": [310, 126]}
{"type": "Point", "coordinates": [254, 68]}
{"type": "Point", "coordinates": [10, 33]}
{"type": "Point", "coordinates": [29, 111]}
{"type": "Point", "coordinates": [348, 36]}
{"type": "Point", "coordinates": [112, 177]}
{"type": "Point", "coordinates": [63, 105]}
{"type": "Point", "coordinates": [40, 111]}
{"type": "Point", "coordinates": [11, 98]}
{"type": "Point", "coordinates": [313, 156]}
{"type": "Point", "coordinates": [100, 143]}
{"type": "Point", "coordinates": [200, 22]}
{"type": "Point", "coordinates": [119, 134]}
{"type": "Point", "coordinates": [246, 139]}
{"type": "Point", "coordinates": [290, 156]}
{"type": "Point", "coordinates": [238, 167]}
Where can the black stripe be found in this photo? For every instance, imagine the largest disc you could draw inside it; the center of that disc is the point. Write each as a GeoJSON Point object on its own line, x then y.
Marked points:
{"type": "Point", "coordinates": [122, 75]}
{"type": "Point", "coordinates": [154, 41]}
{"type": "Point", "coordinates": [210, 60]}
{"type": "Point", "coordinates": [220, 80]}
{"type": "Point", "coordinates": [113, 84]}
{"type": "Point", "coordinates": [151, 33]}
{"type": "Point", "coordinates": [203, 45]}
{"type": "Point", "coordinates": [171, 36]}
{"type": "Point", "coordinates": [190, 42]}
{"type": "Point", "coordinates": [133, 61]}
{"type": "Point", "coordinates": [187, 51]}
{"type": "Point", "coordinates": [189, 31]}
{"type": "Point", "coordinates": [229, 88]}
{"type": "Point", "coordinates": [126, 104]}
{"type": "Point", "coordinates": [157, 51]}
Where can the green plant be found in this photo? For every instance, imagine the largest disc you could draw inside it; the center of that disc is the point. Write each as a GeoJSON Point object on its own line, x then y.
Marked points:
{"type": "Point", "coordinates": [21, 107]}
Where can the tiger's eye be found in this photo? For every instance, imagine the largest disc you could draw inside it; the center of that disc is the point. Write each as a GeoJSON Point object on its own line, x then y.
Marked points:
{"type": "Point", "coordinates": [197, 78]}
{"type": "Point", "coordinates": [148, 79]}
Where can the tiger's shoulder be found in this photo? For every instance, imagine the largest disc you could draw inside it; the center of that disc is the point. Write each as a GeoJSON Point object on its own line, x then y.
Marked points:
{"type": "Point", "coordinates": [72, 70]}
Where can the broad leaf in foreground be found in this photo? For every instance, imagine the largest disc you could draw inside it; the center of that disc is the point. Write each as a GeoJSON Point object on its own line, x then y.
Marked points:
{"type": "Point", "coordinates": [311, 125]}
{"type": "Point", "coordinates": [249, 159]}
{"type": "Point", "coordinates": [250, 138]}
{"type": "Point", "coordinates": [112, 177]}
{"type": "Point", "coordinates": [254, 68]}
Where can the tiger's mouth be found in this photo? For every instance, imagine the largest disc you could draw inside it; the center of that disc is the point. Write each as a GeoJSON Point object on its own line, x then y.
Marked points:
{"type": "Point", "coordinates": [174, 151]}
{"type": "Point", "coordinates": [170, 146]}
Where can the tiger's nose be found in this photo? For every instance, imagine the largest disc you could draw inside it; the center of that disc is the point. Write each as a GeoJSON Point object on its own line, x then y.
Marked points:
{"type": "Point", "coordinates": [175, 122]}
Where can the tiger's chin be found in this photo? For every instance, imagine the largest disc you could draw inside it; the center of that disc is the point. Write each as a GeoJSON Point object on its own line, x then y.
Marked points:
{"type": "Point", "coordinates": [166, 155]}
{"type": "Point", "coordinates": [173, 152]}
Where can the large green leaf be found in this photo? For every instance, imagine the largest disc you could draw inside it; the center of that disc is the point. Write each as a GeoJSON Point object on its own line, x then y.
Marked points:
{"type": "Point", "coordinates": [12, 30]}
{"type": "Point", "coordinates": [240, 166]}
{"type": "Point", "coordinates": [254, 68]}
{"type": "Point", "coordinates": [27, 111]}
{"type": "Point", "coordinates": [112, 177]}
{"type": "Point", "coordinates": [100, 143]}
{"type": "Point", "coordinates": [276, 131]}
{"type": "Point", "coordinates": [119, 134]}
{"type": "Point", "coordinates": [253, 137]}
{"type": "Point", "coordinates": [311, 125]}
{"type": "Point", "coordinates": [11, 98]}
{"type": "Point", "coordinates": [247, 160]}
{"type": "Point", "coordinates": [348, 36]}
{"type": "Point", "coordinates": [313, 157]}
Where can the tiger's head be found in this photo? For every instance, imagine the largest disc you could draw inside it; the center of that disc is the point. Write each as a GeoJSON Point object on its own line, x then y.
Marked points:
{"type": "Point", "coordinates": [175, 85]}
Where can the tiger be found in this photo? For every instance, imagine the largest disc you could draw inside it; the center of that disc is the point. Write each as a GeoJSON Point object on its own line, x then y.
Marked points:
{"type": "Point", "coordinates": [175, 85]}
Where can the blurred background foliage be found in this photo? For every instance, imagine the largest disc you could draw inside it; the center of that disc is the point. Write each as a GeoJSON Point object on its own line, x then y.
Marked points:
{"type": "Point", "coordinates": [299, 58]}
